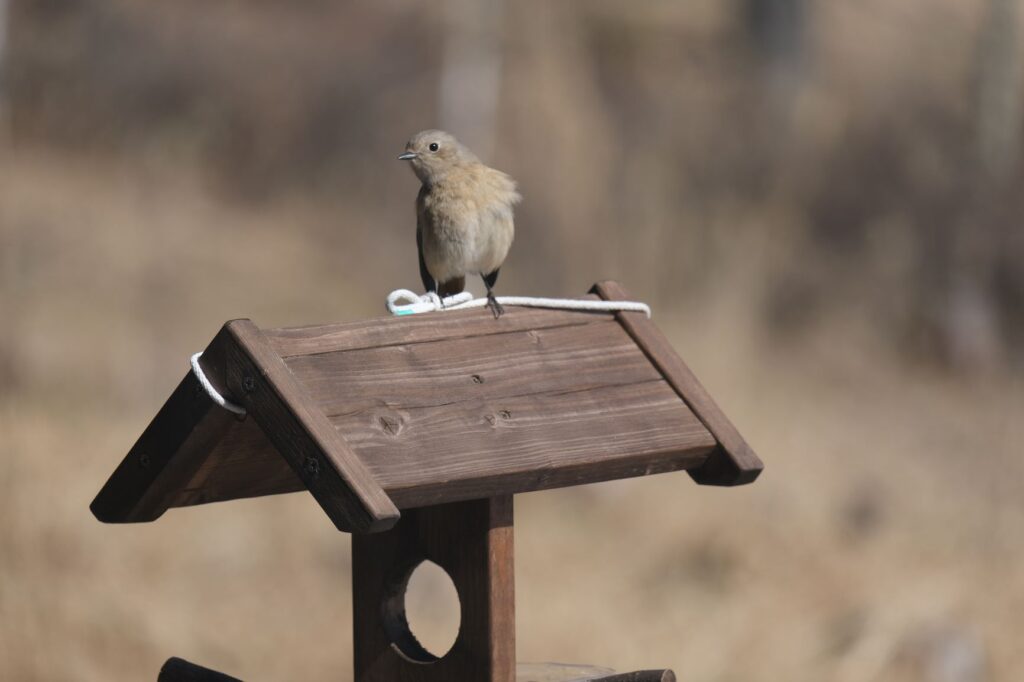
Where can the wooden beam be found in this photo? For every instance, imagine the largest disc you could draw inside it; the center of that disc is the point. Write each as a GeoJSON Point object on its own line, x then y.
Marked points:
{"type": "Point", "coordinates": [509, 445]}
{"type": "Point", "coordinates": [168, 452]}
{"type": "Point", "coordinates": [424, 327]}
{"type": "Point", "coordinates": [258, 378]}
{"type": "Point", "coordinates": [179, 670]}
{"type": "Point", "coordinates": [734, 462]}
{"type": "Point", "coordinates": [640, 676]}
{"type": "Point", "coordinates": [473, 542]}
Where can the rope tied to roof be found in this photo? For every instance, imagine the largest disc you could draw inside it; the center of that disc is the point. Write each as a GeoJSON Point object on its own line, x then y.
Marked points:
{"type": "Point", "coordinates": [431, 302]}
{"type": "Point", "coordinates": [197, 369]}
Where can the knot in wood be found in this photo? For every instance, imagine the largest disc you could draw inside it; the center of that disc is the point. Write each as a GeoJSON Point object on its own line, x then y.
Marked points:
{"type": "Point", "coordinates": [390, 425]}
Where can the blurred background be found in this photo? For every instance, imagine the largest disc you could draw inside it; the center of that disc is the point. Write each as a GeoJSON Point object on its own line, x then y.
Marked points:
{"type": "Point", "coordinates": [821, 200]}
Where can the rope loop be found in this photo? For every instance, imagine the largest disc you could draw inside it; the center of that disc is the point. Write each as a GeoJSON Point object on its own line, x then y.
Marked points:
{"type": "Point", "coordinates": [405, 302]}
{"type": "Point", "coordinates": [197, 369]}
{"type": "Point", "coordinates": [430, 302]}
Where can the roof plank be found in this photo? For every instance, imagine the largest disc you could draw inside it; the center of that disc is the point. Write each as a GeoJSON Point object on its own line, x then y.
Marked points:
{"type": "Point", "coordinates": [476, 368]}
{"type": "Point", "coordinates": [735, 462]}
{"type": "Point", "coordinates": [452, 325]}
{"type": "Point", "coordinates": [411, 411]}
{"type": "Point", "coordinates": [347, 492]}
{"type": "Point", "coordinates": [487, 447]}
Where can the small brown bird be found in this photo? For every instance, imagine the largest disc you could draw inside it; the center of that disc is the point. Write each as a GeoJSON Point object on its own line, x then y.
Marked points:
{"type": "Point", "coordinates": [463, 215]}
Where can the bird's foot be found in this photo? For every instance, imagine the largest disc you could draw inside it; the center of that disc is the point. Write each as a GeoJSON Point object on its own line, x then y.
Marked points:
{"type": "Point", "coordinates": [495, 307]}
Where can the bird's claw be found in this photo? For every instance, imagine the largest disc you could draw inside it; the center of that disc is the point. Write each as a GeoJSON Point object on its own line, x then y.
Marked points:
{"type": "Point", "coordinates": [495, 307]}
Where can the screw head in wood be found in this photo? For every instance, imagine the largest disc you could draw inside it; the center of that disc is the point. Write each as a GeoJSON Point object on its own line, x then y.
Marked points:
{"type": "Point", "coordinates": [249, 384]}
{"type": "Point", "coordinates": [477, 379]}
{"type": "Point", "coordinates": [144, 460]}
{"type": "Point", "coordinates": [312, 466]}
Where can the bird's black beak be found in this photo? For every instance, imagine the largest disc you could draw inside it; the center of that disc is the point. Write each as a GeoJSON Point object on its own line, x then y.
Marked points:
{"type": "Point", "coordinates": [407, 156]}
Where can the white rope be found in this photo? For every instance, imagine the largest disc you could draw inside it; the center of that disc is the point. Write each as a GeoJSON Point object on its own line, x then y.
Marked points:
{"type": "Point", "coordinates": [210, 390]}
{"type": "Point", "coordinates": [431, 302]}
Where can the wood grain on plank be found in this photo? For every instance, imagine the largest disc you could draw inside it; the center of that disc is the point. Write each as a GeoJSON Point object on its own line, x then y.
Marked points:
{"type": "Point", "coordinates": [735, 462]}
{"type": "Point", "coordinates": [386, 331]}
{"type": "Point", "coordinates": [444, 407]}
{"type": "Point", "coordinates": [167, 453]}
{"type": "Point", "coordinates": [512, 412]}
{"type": "Point", "coordinates": [473, 542]}
{"type": "Point", "coordinates": [477, 368]}
{"type": "Point", "coordinates": [244, 463]}
{"type": "Point", "coordinates": [317, 452]}
{"type": "Point", "coordinates": [503, 446]}
{"type": "Point", "coordinates": [532, 442]}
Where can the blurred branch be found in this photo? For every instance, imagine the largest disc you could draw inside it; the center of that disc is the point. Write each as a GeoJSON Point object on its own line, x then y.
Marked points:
{"type": "Point", "coordinates": [777, 30]}
{"type": "Point", "coordinates": [1000, 92]}
{"type": "Point", "coordinates": [4, 116]}
{"type": "Point", "coordinates": [471, 72]}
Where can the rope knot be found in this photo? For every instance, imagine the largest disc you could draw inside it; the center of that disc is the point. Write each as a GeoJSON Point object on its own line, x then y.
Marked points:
{"type": "Point", "coordinates": [427, 303]}
{"type": "Point", "coordinates": [430, 302]}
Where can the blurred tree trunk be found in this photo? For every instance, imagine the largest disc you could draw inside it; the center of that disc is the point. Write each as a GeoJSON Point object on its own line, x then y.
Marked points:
{"type": "Point", "coordinates": [973, 337]}
{"type": "Point", "coordinates": [471, 72]}
{"type": "Point", "coordinates": [776, 29]}
{"type": "Point", "coordinates": [999, 93]}
{"type": "Point", "coordinates": [4, 116]}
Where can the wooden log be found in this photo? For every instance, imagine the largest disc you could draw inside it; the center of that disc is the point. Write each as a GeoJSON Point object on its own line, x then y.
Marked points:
{"type": "Point", "coordinates": [179, 670]}
{"type": "Point", "coordinates": [640, 676]}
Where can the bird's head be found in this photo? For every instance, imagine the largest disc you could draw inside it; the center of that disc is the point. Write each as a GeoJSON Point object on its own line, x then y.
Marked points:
{"type": "Point", "coordinates": [432, 153]}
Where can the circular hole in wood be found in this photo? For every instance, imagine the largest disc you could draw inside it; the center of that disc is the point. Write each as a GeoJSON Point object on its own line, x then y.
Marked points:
{"type": "Point", "coordinates": [421, 613]}
{"type": "Point", "coordinates": [432, 608]}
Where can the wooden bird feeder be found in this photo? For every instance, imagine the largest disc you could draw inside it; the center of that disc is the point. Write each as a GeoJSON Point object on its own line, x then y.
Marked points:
{"type": "Point", "coordinates": [413, 433]}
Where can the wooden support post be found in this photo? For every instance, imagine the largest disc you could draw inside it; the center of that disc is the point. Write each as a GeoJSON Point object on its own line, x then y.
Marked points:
{"type": "Point", "coordinates": [472, 541]}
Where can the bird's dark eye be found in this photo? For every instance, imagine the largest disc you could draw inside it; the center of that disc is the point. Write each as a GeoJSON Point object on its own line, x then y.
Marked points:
{"type": "Point", "coordinates": [433, 146]}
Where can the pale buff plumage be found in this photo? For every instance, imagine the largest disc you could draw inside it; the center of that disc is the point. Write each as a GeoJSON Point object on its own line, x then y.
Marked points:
{"type": "Point", "coordinates": [464, 220]}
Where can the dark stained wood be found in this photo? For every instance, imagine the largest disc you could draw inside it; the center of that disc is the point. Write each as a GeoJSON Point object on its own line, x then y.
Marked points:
{"type": "Point", "coordinates": [388, 331]}
{"type": "Point", "coordinates": [640, 676]}
{"type": "Point", "coordinates": [317, 452]}
{"type": "Point", "coordinates": [427, 409]}
{"type": "Point", "coordinates": [243, 464]}
{"type": "Point", "coordinates": [442, 415]}
{"type": "Point", "coordinates": [179, 670]}
{"type": "Point", "coordinates": [451, 372]}
{"type": "Point", "coordinates": [473, 542]}
{"type": "Point", "coordinates": [167, 453]}
{"type": "Point", "coordinates": [605, 433]}
{"type": "Point", "coordinates": [734, 462]}
{"type": "Point", "coordinates": [447, 452]}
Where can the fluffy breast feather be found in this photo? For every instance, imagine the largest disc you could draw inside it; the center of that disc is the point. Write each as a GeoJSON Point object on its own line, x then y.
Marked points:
{"type": "Point", "coordinates": [467, 221]}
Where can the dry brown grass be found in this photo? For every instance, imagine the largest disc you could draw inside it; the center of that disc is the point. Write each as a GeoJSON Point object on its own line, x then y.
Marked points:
{"type": "Point", "coordinates": [165, 174]}
{"type": "Point", "coordinates": [886, 526]}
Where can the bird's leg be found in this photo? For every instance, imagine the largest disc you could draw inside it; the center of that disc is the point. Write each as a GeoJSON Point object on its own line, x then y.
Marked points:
{"type": "Point", "coordinates": [493, 304]}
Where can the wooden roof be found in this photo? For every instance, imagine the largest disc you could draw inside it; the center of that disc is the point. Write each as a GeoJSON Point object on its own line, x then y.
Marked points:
{"type": "Point", "coordinates": [375, 416]}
